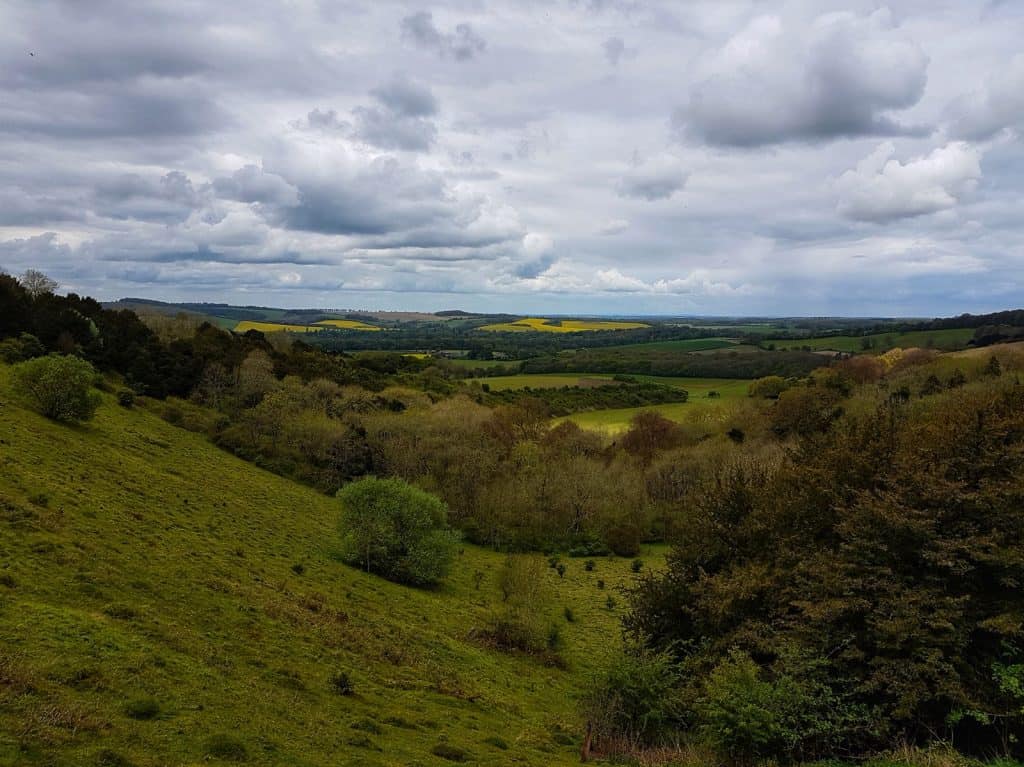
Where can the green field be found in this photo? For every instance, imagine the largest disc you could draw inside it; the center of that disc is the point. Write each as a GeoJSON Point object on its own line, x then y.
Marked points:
{"type": "Point", "coordinates": [158, 594]}
{"type": "Point", "coordinates": [730, 390]}
{"type": "Point", "coordinates": [954, 338]}
{"type": "Point", "coordinates": [483, 364]}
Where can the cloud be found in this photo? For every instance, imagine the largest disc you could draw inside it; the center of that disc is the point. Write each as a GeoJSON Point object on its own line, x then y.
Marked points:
{"type": "Point", "coordinates": [405, 97]}
{"type": "Point", "coordinates": [997, 105]}
{"type": "Point", "coordinates": [461, 44]}
{"type": "Point", "coordinates": [882, 189]}
{"type": "Point", "coordinates": [615, 50]}
{"type": "Point", "coordinates": [655, 179]}
{"type": "Point", "coordinates": [779, 80]}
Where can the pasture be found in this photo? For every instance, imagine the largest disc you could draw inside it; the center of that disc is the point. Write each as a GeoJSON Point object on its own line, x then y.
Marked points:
{"type": "Point", "coordinates": [949, 339]}
{"type": "Point", "coordinates": [143, 613]}
{"type": "Point", "coordinates": [279, 327]}
{"type": "Point", "coordinates": [541, 325]}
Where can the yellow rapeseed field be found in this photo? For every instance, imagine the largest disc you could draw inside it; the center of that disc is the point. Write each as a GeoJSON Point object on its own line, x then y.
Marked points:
{"type": "Point", "coordinates": [542, 325]}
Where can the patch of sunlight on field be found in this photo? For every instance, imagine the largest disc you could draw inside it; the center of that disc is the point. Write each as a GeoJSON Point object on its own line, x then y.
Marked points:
{"type": "Point", "coordinates": [542, 325]}
{"type": "Point", "coordinates": [348, 324]}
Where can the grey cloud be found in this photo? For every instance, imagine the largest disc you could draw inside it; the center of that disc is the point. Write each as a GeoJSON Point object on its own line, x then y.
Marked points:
{"type": "Point", "coordinates": [462, 44]}
{"type": "Point", "coordinates": [778, 81]}
{"type": "Point", "coordinates": [997, 105]}
{"type": "Point", "coordinates": [251, 184]}
{"type": "Point", "coordinates": [655, 179]}
{"type": "Point", "coordinates": [405, 97]}
{"type": "Point", "coordinates": [615, 50]}
{"type": "Point", "coordinates": [388, 130]}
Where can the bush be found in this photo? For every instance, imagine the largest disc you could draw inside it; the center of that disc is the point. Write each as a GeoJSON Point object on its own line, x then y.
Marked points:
{"type": "Point", "coordinates": [395, 530]}
{"type": "Point", "coordinates": [589, 565]}
{"type": "Point", "coordinates": [126, 398]}
{"type": "Point", "coordinates": [634, 700]}
{"type": "Point", "coordinates": [520, 622]}
{"type": "Point", "coordinates": [60, 385]}
{"type": "Point", "coordinates": [637, 565]}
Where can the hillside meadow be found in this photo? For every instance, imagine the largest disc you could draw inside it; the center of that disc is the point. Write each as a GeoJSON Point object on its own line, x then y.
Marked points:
{"type": "Point", "coordinates": [944, 339]}
{"type": "Point", "coordinates": [163, 602]}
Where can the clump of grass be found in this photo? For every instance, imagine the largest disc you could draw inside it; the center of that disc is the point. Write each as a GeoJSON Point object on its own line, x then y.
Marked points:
{"type": "Point", "coordinates": [637, 566]}
{"type": "Point", "coordinates": [600, 583]}
{"type": "Point", "coordinates": [589, 565]}
{"type": "Point", "coordinates": [497, 742]}
{"type": "Point", "coordinates": [609, 603]}
{"type": "Point", "coordinates": [570, 616]}
{"type": "Point", "coordinates": [341, 683]}
{"type": "Point", "coordinates": [553, 562]}
{"type": "Point", "coordinates": [142, 709]}
{"type": "Point", "coordinates": [449, 752]}
{"type": "Point", "coordinates": [560, 568]}
{"type": "Point", "coordinates": [298, 568]}
{"type": "Point", "coordinates": [367, 725]}
{"type": "Point", "coordinates": [110, 758]}
{"type": "Point", "coordinates": [226, 747]}
{"type": "Point", "coordinates": [42, 500]}
{"type": "Point", "coordinates": [121, 612]}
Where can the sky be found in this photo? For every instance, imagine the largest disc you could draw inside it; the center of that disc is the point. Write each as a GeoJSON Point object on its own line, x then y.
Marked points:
{"type": "Point", "coordinates": [731, 157]}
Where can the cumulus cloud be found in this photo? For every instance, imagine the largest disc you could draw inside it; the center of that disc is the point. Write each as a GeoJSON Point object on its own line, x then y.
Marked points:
{"type": "Point", "coordinates": [779, 80]}
{"type": "Point", "coordinates": [656, 178]}
{"type": "Point", "coordinates": [883, 189]}
{"type": "Point", "coordinates": [997, 105]}
{"type": "Point", "coordinates": [462, 44]}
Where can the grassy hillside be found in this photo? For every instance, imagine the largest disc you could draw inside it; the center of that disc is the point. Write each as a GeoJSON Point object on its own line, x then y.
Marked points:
{"type": "Point", "coordinates": [162, 602]}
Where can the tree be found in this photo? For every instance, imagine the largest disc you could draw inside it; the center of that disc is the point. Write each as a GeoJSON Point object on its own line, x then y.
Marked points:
{"type": "Point", "coordinates": [61, 386]}
{"type": "Point", "coordinates": [769, 387]}
{"type": "Point", "coordinates": [395, 530]}
{"type": "Point", "coordinates": [36, 283]}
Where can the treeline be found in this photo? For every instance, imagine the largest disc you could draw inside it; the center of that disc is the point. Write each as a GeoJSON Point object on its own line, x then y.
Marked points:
{"type": "Point", "coordinates": [725, 364]}
{"type": "Point", "coordinates": [33, 323]}
{"type": "Point", "coordinates": [564, 400]}
{"type": "Point", "coordinates": [483, 344]}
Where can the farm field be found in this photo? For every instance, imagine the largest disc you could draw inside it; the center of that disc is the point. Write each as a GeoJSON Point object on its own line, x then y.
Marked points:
{"type": "Point", "coordinates": [278, 327]}
{"type": "Point", "coordinates": [218, 609]}
{"type": "Point", "coordinates": [698, 387]}
{"type": "Point", "coordinates": [539, 324]}
{"type": "Point", "coordinates": [952, 338]}
{"type": "Point", "coordinates": [483, 364]}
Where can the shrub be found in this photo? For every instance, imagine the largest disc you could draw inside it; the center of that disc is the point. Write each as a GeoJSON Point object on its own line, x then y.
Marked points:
{"type": "Point", "coordinates": [610, 603]}
{"type": "Point", "coordinates": [634, 701]}
{"type": "Point", "coordinates": [395, 530]}
{"type": "Point", "coordinates": [499, 743]}
{"type": "Point", "coordinates": [560, 569]}
{"type": "Point", "coordinates": [637, 565]}
{"type": "Point", "coordinates": [226, 747]}
{"type": "Point", "coordinates": [570, 616]}
{"type": "Point", "coordinates": [520, 622]}
{"type": "Point", "coordinates": [769, 387]}
{"type": "Point", "coordinates": [110, 758]}
{"type": "Point", "coordinates": [61, 386]}
{"type": "Point", "coordinates": [144, 708]}
{"type": "Point", "coordinates": [298, 568]}
{"type": "Point", "coordinates": [589, 565]}
{"type": "Point", "coordinates": [600, 583]}
{"type": "Point", "coordinates": [126, 398]}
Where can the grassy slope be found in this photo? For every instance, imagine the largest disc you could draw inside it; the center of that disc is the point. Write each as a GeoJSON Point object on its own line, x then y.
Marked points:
{"type": "Point", "coordinates": [161, 567]}
{"type": "Point", "coordinates": [953, 338]}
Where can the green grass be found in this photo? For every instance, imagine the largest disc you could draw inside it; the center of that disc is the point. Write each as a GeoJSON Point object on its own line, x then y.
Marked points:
{"type": "Point", "coordinates": [953, 338]}
{"type": "Point", "coordinates": [699, 407]}
{"type": "Point", "coordinates": [154, 572]}
{"type": "Point", "coordinates": [474, 364]}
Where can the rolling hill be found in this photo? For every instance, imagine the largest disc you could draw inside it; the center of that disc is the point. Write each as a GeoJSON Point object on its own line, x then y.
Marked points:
{"type": "Point", "coordinates": [163, 602]}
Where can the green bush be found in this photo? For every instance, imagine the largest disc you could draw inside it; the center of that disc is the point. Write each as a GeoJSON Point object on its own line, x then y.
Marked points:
{"type": "Point", "coordinates": [634, 700]}
{"type": "Point", "coordinates": [395, 530]}
{"type": "Point", "coordinates": [61, 386]}
{"type": "Point", "coordinates": [341, 683]}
